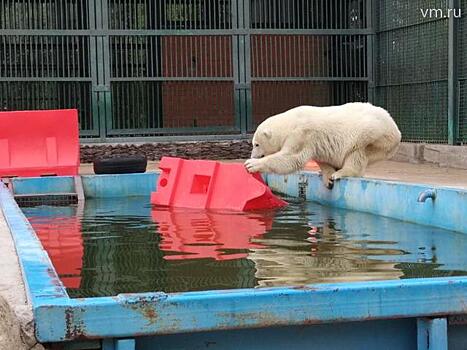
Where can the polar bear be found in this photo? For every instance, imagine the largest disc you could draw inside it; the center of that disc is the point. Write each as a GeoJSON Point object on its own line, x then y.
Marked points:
{"type": "Point", "coordinates": [343, 140]}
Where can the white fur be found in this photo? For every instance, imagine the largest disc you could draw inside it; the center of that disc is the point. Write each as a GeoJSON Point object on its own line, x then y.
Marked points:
{"type": "Point", "coordinates": [342, 139]}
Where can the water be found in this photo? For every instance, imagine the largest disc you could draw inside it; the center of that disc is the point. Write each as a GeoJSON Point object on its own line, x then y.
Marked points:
{"type": "Point", "coordinates": [118, 246]}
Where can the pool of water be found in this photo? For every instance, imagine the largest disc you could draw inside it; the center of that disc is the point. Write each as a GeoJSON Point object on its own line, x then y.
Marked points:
{"type": "Point", "coordinates": [113, 246]}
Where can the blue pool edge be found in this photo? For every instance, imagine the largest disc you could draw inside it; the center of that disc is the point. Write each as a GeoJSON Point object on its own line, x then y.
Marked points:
{"type": "Point", "coordinates": [60, 318]}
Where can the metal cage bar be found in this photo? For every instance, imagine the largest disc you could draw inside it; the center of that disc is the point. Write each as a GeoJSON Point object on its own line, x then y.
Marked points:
{"type": "Point", "coordinates": [142, 67]}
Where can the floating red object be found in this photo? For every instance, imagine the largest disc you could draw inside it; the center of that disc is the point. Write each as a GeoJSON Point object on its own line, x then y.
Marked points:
{"type": "Point", "coordinates": [39, 143]}
{"type": "Point", "coordinates": [207, 184]}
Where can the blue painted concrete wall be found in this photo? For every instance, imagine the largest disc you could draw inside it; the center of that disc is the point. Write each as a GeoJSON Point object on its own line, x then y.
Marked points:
{"type": "Point", "coordinates": [395, 334]}
{"type": "Point", "coordinates": [392, 199]}
{"type": "Point", "coordinates": [278, 317]}
{"type": "Point", "coordinates": [41, 185]}
{"type": "Point", "coordinates": [125, 185]}
{"type": "Point", "coordinates": [94, 186]}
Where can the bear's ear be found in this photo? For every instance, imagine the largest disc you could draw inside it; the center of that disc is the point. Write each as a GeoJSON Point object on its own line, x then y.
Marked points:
{"type": "Point", "coordinates": [267, 134]}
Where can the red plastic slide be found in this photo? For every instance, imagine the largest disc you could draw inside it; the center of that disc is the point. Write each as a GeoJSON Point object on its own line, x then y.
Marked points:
{"type": "Point", "coordinates": [39, 143]}
{"type": "Point", "coordinates": [207, 184]}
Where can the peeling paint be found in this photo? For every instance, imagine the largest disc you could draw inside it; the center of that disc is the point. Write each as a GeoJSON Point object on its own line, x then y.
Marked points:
{"type": "Point", "coordinates": [306, 287]}
{"type": "Point", "coordinates": [75, 328]}
{"type": "Point", "coordinates": [245, 319]}
{"type": "Point", "coordinates": [145, 305]}
{"type": "Point", "coordinates": [457, 319]}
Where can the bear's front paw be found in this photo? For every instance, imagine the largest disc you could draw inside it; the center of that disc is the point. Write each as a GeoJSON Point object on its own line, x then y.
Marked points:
{"type": "Point", "coordinates": [332, 180]}
{"type": "Point", "coordinates": [254, 165]}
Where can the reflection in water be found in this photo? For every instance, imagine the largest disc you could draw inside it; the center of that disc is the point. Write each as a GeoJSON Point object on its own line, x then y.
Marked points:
{"type": "Point", "coordinates": [62, 239]}
{"type": "Point", "coordinates": [325, 255]}
{"type": "Point", "coordinates": [208, 234]}
{"type": "Point", "coordinates": [122, 246]}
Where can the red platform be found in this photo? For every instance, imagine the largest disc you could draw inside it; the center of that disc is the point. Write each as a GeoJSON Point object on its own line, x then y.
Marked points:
{"type": "Point", "coordinates": [207, 184]}
{"type": "Point", "coordinates": [39, 143]}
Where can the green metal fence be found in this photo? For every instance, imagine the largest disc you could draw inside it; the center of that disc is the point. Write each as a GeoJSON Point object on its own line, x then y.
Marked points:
{"type": "Point", "coordinates": [462, 71]}
{"type": "Point", "coordinates": [420, 68]}
{"type": "Point", "coordinates": [160, 67]}
{"type": "Point", "coordinates": [306, 52]}
{"type": "Point", "coordinates": [137, 68]}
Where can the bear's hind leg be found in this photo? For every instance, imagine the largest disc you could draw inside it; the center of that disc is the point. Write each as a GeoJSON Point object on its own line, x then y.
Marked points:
{"type": "Point", "coordinates": [326, 172]}
{"type": "Point", "coordinates": [376, 154]}
{"type": "Point", "coordinates": [354, 165]}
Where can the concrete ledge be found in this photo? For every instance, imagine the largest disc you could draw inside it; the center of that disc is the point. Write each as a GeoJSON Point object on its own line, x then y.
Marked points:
{"type": "Point", "coordinates": [441, 155]}
{"type": "Point", "coordinates": [16, 318]}
{"type": "Point", "coordinates": [446, 156]}
{"type": "Point", "coordinates": [409, 153]}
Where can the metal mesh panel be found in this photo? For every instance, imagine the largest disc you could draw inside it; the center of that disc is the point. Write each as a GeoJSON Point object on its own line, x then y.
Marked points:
{"type": "Point", "coordinates": [308, 56]}
{"type": "Point", "coordinates": [420, 110]}
{"type": "Point", "coordinates": [46, 71]}
{"type": "Point", "coordinates": [413, 54]}
{"type": "Point", "coordinates": [171, 81]}
{"type": "Point", "coordinates": [272, 97]}
{"type": "Point", "coordinates": [394, 14]}
{"type": "Point", "coordinates": [174, 14]}
{"type": "Point", "coordinates": [28, 95]}
{"type": "Point", "coordinates": [292, 70]}
{"type": "Point", "coordinates": [160, 67]}
{"type": "Point", "coordinates": [462, 50]}
{"type": "Point", "coordinates": [44, 14]}
{"type": "Point", "coordinates": [136, 105]}
{"type": "Point", "coordinates": [462, 45]}
{"type": "Point", "coordinates": [171, 56]}
{"type": "Point", "coordinates": [62, 199]}
{"type": "Point", "coordinates": [463, 110]}
{"type": "Point", "coordinates": [172, 105]}
{"type": "Point", "coordinates": [27, 56]}
{"type": "Point", "coordinates": [412, 69]}
{"type": "Point", "coordinates": [308, 14]}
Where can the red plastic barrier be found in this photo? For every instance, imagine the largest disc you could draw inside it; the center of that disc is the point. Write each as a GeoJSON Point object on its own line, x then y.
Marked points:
{"type": "Point", "coordinates": [205, 234]}
{"type": "Point", "coordinates": [311, 165]}
{"type": "Point", "coordinates": [39, 143]}
{"type": "Point", "coordinates": [207, 184]}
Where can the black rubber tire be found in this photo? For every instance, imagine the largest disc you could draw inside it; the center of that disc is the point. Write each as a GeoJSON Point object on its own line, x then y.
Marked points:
{"type": "Point", "coordinates": [121, 165]}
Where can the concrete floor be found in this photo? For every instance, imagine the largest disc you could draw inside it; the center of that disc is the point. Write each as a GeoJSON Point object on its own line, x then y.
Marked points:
{"type": "Point", "coordinates": [418, 173]}
{"type": "Point", "coordinates": [429, 174]}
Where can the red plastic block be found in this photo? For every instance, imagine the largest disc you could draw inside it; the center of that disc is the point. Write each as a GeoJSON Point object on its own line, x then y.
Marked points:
{"type": "Point", "coordinates": [207, 184]}
{"type": "Point", "coordinates": [39, 143]}
{"type": "Point", "coordinates": [199, 234]}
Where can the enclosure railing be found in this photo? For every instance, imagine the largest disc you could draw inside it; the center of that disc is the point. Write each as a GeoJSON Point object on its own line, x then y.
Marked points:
{"type": "Point", "coordinates": [421, 68]}
{"type": "Point", "coordinates": [160, 68]}
{"type": "Point", "coordinates": [157, 67]}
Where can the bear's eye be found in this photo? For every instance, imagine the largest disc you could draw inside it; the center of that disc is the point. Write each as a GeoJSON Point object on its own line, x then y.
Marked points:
{"type": "Point", "coordinates": [256, 144]}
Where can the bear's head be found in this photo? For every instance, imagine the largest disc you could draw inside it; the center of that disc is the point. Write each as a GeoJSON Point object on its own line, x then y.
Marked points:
{"type": "Point", "coordinates": [264, 143]}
